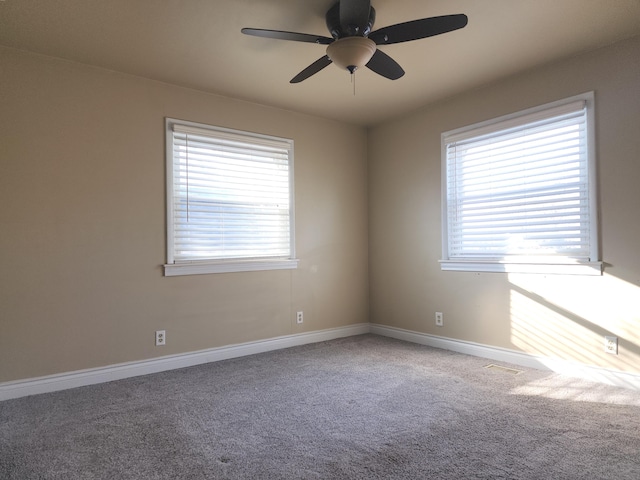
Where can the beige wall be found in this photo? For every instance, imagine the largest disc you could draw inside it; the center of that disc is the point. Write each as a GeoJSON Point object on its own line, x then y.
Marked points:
{"type": "Point", "coordinates": [82, 222]}
{"type": "Point", "coordinates": [556, 316]}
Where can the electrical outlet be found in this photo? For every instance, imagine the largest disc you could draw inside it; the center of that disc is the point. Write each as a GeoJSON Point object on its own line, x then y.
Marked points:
{"type": "Point", "coordinates": [299, 317]}
{"type": "Point", "coordinates": [161, 337]}
{"type": "Point", "coordinates": [439, 319]}
{"type": "Point", "coordinates": [611, 345]}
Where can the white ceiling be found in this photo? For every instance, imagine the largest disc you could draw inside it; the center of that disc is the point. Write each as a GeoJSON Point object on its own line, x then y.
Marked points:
{"type": "Point", "coordinates": [198, 44]}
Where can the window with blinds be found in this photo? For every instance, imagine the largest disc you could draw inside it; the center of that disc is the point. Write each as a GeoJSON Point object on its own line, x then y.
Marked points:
{"type": "Point", "coordinates": [518, 192]}
{"type": "Point", "coordinates": [229, 200]}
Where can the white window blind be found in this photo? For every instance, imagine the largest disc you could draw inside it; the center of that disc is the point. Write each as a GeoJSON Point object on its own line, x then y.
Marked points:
{"type": "Point", "coordinates": [230, 195]}
{"type": "Point", "coordinates": [520, 189]}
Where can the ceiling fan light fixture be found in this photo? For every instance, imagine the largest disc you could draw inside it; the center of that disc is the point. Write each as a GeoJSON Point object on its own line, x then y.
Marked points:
{"type": "Point", "coordinates": [354, 45]}
{"type": "Point", "coordinates": [351, 53]}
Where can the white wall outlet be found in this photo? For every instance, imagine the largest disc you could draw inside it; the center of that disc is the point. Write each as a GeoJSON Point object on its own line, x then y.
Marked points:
{"type": "Point", "coordinates": [439, 319]}
{"type": "Point", "coordinates": [611, 345]}
{"type": "Point", "coordinates": [161, 337]}
{"type": "Point", "coordinates": [299, 317]}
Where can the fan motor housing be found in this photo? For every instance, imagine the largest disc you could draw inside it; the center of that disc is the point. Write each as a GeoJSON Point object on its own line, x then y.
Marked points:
{"type": "Point", "coordinates": [340, 31]}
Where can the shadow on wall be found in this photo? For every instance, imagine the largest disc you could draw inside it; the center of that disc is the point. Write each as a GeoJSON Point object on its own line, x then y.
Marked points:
{"type": "Point", "coordinates": [567, 317]}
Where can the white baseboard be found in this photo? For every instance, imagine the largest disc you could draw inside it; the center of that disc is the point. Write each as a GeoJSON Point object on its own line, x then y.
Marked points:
{"type": "Point", "coordinates": [587, 372]}
{"type": "Point", "coordinates": [81, 378]}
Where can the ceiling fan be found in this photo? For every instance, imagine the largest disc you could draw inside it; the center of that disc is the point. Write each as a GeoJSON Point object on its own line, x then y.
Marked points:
{"type": "Point", "coordinates": [353, 45]}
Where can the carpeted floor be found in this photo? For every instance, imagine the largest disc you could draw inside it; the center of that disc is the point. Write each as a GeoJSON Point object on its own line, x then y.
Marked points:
{"type": "Point", "coordinates": [364, 407]}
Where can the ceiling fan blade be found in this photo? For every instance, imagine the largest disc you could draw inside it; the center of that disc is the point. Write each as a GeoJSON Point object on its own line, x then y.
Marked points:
{"type": "Point", "coordinates": [293, 36]}
{"type": "Point", "coordinates": [384, 65]}
{"type": "Point", "coordinates": [312, 69]}
{"type": "Point", "coordinates": [354, 13]}
{"type": "Point", "coordinates": [417, 29]}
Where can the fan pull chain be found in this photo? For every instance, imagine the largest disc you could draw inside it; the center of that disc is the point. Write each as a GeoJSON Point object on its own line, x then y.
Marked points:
{"type": "Point", "coordinates": [353, 81]}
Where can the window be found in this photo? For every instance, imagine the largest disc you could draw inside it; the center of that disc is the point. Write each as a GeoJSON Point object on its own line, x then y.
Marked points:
{"type": "Point", "coordinates": [519, 192]}
{"type": "Point", "coordinates": [229, 200]}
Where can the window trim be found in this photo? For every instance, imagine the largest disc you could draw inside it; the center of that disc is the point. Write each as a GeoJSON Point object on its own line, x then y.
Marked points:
{"type": "Point", "coordinates": [200, 267]}
{"type": "Point", "coordinates": [527, 264]}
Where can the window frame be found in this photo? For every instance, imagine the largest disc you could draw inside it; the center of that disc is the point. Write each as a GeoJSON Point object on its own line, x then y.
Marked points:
{"type": "Point", "coordinates": [175, 267]}
{"type": "Point", "coordinates": [526, 263]}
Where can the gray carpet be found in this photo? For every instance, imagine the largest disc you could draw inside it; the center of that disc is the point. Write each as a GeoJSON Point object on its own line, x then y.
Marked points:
{"type": "Point", "coordinates": [364, 407]}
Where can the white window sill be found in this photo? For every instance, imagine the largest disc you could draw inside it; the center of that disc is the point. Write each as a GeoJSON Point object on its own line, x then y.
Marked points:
{"type": "Point", "coordinates": [203, 268]}
{"type": "Point", "coordinates": [551, 268]}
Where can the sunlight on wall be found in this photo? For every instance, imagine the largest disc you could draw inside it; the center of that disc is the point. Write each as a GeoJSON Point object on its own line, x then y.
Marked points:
{"type": "Point", "coordinates": [567, 317]}
{"type": "Point", "coordinates": [536, 328]}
